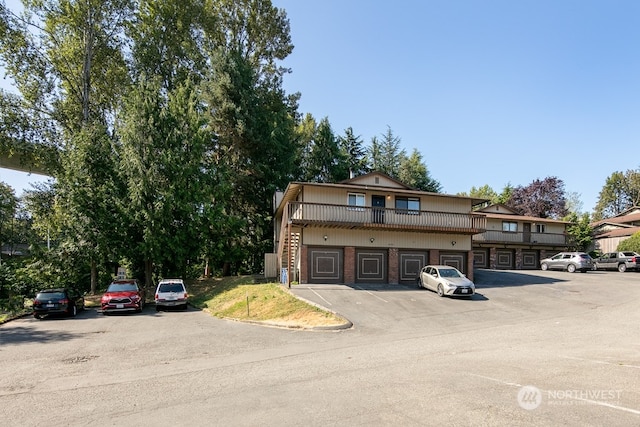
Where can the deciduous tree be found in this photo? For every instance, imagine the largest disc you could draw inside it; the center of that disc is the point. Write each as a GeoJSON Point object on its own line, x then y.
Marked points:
{"type": "Point", "coordinates": [542, 198]}
{"type": "Point", "coordinates": [620, 192]}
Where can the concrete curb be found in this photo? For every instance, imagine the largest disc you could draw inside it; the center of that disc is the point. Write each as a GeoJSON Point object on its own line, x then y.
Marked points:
{"type": "Point", "coordinates": [347, 325]}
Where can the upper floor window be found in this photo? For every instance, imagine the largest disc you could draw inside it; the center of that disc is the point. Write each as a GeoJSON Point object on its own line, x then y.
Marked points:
{"type": "Point", "coordinates": [408, 205]}
{"type": "Point", "coordinates": [539, 228]}
{"type": "Point", "coordinates": [355, 199]}
{"type": "Point", "coordinates": [509, 226]}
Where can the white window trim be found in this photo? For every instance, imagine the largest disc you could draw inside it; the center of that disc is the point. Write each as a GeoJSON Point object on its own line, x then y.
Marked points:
{"type": "Point", "coordinates": [358, 196]}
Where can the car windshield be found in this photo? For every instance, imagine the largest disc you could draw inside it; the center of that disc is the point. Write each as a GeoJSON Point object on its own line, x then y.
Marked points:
{"type": "Point", "coordinates": [49, 296]}
{"type": "Point", "coordinates": [449, 272]}
{"type": "Point", "coordinates": [584, 256]}
{"type": "Point", "coordinates": [170, 287]}
{"type": "Point", "coordinates": [122, 287]}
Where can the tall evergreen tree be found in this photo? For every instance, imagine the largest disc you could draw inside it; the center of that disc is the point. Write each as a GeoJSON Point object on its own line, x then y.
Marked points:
{"type": "Point", "coordinates": [353, 152]}
{"type": "Point", "coordinates": [387, 153]}
{"type": "Point", "coordinates": [326, 160]}
{"type": "Point", "coordinates": [414, 172]}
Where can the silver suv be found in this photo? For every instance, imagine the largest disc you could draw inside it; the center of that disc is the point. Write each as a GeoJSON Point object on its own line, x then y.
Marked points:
{"type": "Point", "coordinates": [569, 261]}
{"type": "Point", "coordinates": [171, 293]}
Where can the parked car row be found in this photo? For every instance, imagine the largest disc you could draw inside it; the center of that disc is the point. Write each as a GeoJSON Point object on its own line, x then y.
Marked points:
{"type": "Point", "coordinates": [124, 295]}
{"type": "Point", "coordinates": [581, 261]}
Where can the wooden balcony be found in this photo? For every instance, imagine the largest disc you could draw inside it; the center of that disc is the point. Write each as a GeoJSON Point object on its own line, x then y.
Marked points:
{"type": "Point", "coordinates": [509, 237]}
{"type": "Point", "coordinates": [302, 214]}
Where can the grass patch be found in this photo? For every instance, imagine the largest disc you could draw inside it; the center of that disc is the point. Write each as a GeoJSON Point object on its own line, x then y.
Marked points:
{"type": "Point", "coordinates": [13, 308]}
{"type": "Point", "coordinates": [92, 301]}
{"type": "Point", "coordinates": [241, 299]}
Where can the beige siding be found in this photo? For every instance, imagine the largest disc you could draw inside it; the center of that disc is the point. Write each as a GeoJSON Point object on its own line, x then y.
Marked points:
{"type": "Point", "coordinates": [445, 204]}
{"type": "Point", "coordinates": [552, 228]}
{"type": "Point", "coordinates": [609, 244]}
{"type": "Point", "coordinates": [404, 240]}
{"type": "Point", "coordinates": [339, 196]}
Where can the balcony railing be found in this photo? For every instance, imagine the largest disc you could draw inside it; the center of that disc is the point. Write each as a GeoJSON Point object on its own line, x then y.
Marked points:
{"type": "Point", "coordinates": [493, 236]}
{"type": "Point", "coordinates": [345, 216]}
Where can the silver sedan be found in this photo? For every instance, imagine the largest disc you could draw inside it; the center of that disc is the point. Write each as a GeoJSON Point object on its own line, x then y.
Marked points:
{"type": "Point", "coordinates": [445, 280]}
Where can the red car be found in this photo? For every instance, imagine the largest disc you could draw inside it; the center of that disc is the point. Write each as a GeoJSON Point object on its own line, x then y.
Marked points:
{"type": "Point", "coordinates": [122, 296]}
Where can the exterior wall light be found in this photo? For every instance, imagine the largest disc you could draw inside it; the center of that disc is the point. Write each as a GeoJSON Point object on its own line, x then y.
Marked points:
{"type": "Point", "coordinates": [325, 237]}
{"type": "Point", "coordinates": [372, 239]}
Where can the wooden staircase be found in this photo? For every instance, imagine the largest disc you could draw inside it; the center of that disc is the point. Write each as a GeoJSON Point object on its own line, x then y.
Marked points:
{"type": "Point", "coordinates": [289, 246]}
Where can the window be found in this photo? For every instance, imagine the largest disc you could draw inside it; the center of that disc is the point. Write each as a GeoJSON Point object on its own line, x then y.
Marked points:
{"type": "Point", "coordinates": [509, 226]}
{"type": "Point", "coordinates": [355, 199]}
{"type": "Point", "coordinates": [408, 205]}
{"type": "Point", "coordinates": [539, 228]}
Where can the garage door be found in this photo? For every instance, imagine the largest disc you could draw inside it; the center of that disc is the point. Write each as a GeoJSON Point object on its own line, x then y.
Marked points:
{"type": "Point", "coordinates": [411, 262]}
{"type": "Point", "coordinates": [481, 258]}
{"type": "Point", "coordinates": [504, 258]}
{"type": "Point", "coordinates": [530, 260]}
{"type": "Point", "coordinates": [455, 259]}
{"type": "Point", "coordinates": [325, 265]}
{"type": "Point", "coordinates": [371, 266]}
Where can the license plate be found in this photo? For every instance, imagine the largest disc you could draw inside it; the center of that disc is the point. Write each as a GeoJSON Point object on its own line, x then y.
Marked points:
{"type": "Point", "coordinates": [464, 291]}
{"type": "Point", "coordinates": [51, 305]}
{"type": "Point", "coordinates": [119, 305]}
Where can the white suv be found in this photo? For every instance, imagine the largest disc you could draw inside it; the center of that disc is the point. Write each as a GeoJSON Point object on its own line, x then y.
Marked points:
{"type": "Point", "coordinates": [171, 293]}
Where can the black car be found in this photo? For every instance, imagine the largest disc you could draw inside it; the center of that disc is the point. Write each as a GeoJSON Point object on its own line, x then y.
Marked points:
{"type": "Point", "coordinates": [57, 301]}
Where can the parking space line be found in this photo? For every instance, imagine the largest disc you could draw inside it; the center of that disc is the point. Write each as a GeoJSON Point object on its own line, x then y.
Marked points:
{"type": "Point", "coordinates": [320, 296]}
{"type": "Point", "coordinates": [602, 362]}
{"type": "Point", "coordinates": [373, 295]}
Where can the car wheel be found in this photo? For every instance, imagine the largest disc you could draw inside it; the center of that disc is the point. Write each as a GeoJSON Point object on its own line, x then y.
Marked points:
{"type": "Point", "coordinates": [571, 268]}
{"type": "Point", "coordinates": [622, 268]}
{"type": "Point", "coordinates": [544, 267]}
{"type": "Point", "coordinates": [440, 291]}
{"type": "Point", "coordinates": [157, 308]}
{"type": "Point", "coordinates": [418, 282]}
{"type": "Point", "coordinates": [185, 307]}
{"type": "Point", "coordinates": [72, 311]}
{"type": "Point", "coordinates": [37, 316]}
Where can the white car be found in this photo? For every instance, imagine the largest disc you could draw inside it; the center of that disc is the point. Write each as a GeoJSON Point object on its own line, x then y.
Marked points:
{"type": "Point", "coordinates": [171, 293]}
{"type": "Point", "coordinates": [445, 280]}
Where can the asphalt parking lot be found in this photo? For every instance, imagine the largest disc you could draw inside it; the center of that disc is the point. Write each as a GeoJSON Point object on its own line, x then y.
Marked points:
{"type": "Point", "coordinates": [530, 348]}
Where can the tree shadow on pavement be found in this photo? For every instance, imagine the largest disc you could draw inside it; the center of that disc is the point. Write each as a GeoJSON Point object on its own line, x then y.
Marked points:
{"type": "Point", "coordinates": [11, 335]}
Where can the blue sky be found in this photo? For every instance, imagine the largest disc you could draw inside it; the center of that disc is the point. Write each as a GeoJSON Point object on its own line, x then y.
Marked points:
{"type": "Point", "coordinates": [489, 92]}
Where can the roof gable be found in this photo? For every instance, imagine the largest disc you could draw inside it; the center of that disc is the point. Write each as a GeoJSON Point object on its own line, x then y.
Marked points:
{"type": "Point", "coordinates": [498, 208]}
{"type": "Point", "coordinates": [376, 179]}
